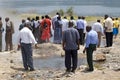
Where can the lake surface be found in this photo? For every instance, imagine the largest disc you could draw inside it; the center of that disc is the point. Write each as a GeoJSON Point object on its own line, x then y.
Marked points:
{"type": "Point", "coordinates": [81, 7]}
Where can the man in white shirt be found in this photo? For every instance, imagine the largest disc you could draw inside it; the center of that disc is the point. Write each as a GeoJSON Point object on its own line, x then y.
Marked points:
{"type": "Point", "coordinates": [99, 29]}
{"type": "Point", "coordinates": [64, 24]}
{"type": "Point", "coordinates": [25, 40]}
{"type": "Point", "coordinates": [84, 32]}
{"type": "Point", "coordinates": [74, 21]}
{"type": "Point", "coordinates": [108, 31]}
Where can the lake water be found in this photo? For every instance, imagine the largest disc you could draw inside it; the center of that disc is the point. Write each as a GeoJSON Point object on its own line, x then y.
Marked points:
{"type": "Point", "coordinates": [81, 7]}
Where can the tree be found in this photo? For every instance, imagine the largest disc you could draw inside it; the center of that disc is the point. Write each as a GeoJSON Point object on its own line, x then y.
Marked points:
{"type": "Point", "coordinates": [70, 11]}
{"type": "Point", "coordinates": [61, 12]}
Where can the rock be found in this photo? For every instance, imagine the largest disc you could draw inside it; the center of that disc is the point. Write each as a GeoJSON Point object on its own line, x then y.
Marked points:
{"type": "Point", "coordinates": [11, 61]}
{"type": "Point", "coordinates": [99, 57]}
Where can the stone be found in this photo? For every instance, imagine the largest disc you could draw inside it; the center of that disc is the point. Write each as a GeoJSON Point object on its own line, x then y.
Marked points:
{"type": "Point", "coordinates": [99, 57]}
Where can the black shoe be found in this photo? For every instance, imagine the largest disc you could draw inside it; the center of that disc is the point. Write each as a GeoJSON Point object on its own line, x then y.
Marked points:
{"type": "Point", "coordinates": [73, 71]}
{"type": "Point", "coordinates": [32, 69]}
{"type": "Point", "coordinates": [90, 70]}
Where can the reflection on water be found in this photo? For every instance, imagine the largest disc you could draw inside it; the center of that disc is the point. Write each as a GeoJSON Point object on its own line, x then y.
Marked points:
{"type": "Point", "coordinates": [81, 7]}
{"type": "Point", "coordinates": [54, 63]}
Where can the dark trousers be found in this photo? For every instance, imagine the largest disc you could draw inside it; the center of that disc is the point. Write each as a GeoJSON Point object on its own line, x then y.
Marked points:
{"type": "Point", "coordinates": [81, 36]}
{"type": "Point", "coordinates": [90, 50]}
{"type": "Point", "coordinates": [8, 40]}
{"type": "Point", "coordinates": [109, 38]}
{"type": "Point", "coordinates": [71, 58]}
{"type": "Point", "coordinates": [0, 41]}
{"type": "Point", "coordinates": [27, 55]}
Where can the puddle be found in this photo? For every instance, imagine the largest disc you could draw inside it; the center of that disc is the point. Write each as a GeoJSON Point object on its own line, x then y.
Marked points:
{"type": "Point", "coordinates": [55, 62]}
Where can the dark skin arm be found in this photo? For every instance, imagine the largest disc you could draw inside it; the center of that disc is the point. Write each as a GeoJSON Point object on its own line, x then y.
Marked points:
{"type": "Point", "coordinates": [63, 45]}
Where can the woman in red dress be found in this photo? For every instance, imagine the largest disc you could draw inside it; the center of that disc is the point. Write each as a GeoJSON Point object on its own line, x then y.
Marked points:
{"type": "Point", "coordinates": [46, 28]}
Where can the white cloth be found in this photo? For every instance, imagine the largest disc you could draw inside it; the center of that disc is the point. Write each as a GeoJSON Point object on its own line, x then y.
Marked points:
{"type": "Point", "coordinates": [109, 24]}
{"type": "Point", "coordinates": [74, 23]}
{"type": "Point", "coordinates": [8, 24]}
{"type": "Point", "coordinates": [64, 24]}
{"type": "Point", "coordinates": [85, 24]}
{"type": "Point", "coordinates": [26, 36]}
{"type": "Point", "coordinates": [98, 27]}
{"type": "Point", "coordinates": [37, 23]}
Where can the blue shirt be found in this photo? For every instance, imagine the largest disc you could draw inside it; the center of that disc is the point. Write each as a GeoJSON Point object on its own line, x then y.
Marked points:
{"type": "Point", "coordinates": [80, 24]}
{"type": "Point", "coordinates": [91, 38]}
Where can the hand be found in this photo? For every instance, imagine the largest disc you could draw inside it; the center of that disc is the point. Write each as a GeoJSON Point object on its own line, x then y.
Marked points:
{"type": "Point", "coordinates": [36, 46]}
{"type": "Point", "coordinates": [18, 48]}
{"type": "Point", "coordinates": [84, 50]}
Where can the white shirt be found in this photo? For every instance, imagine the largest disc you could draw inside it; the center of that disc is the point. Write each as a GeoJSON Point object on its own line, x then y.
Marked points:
{"type": "Point", "coordinates": [85, 24]}
{"type": "Point", "coordinates": [98, 27]}
{"type": "Point", "coordinates": [26, 36]}
{"type": "Point", "coordinates": [64, 24]}
{"type": "Point", "coordinates": [109, 24]}
{"type": "Point", "coordinates": [37, 23]}
{"type": "Point", "coordinates": [74, 23]}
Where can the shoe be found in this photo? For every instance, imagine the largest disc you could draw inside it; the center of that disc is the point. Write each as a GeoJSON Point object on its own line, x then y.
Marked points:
{"type": "Point", "coordinates": [90, 70]}
{"type": "Point", "coordinates": [73, 71]}
{"type": "Point", "coordinates": [32, 69]}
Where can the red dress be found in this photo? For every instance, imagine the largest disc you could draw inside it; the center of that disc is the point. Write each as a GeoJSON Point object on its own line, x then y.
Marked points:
{"type": "Point", "coordinates": [46, 30]}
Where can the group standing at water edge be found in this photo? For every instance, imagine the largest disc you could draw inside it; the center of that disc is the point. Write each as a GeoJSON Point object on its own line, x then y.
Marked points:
{"type": "Point", "coordinates": [71, 33]}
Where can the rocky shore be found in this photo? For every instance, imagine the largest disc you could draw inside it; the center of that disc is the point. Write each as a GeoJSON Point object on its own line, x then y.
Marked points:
{"type": "Point", "coordinates": [106, 63]}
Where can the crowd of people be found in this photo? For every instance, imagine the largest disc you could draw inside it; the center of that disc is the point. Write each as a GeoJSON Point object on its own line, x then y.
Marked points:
{"type": "Point", "coordinates": [70, 33]}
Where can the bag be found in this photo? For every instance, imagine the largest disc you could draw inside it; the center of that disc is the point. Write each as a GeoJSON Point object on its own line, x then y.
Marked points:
{"type": "Point", "coordinates": [45, 24]}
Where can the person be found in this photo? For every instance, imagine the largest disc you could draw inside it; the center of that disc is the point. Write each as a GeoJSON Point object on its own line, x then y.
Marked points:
{"type": "Point", "coordinates": [25, 40]}
{"type": "Point", "coordinates": [65, 24]}
{"type": "Point", "coordinates": [108, 31]}
{"type": "Point", "coordinates": [36, 29]}
{"type": "Point", "coordinates": [46, 29]}
{"type": "Point", "coordinates": [84, 32]}
{"type": "Point", "coordinates": [74, 21]}
{"type": "Point", "coordinates": [97, 26]}
{"type": "Point", "coordinates": [80, 27]}
{"type": "Point", "coordinates": [1, 31]}
{"type": "Point", "coordinates": [70, 44]}
{"type": "Point", "coordinates": [9, 33]}
{"type": "Point", "coordinates": [22, 24]}
{"type": "Point", "coordinates": [116, 27]}
{"type": "Point", "coordinates": [55, 19]}
{"type": "Point", "coordinates": [58, 31]}
{"type": "Point", "coordinates": [90, 46]}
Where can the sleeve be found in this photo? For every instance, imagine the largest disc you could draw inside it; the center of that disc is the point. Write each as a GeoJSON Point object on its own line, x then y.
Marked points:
{"type": "Point", "coordinates": [78, 36]}
{"type": "Point", "coordinates": [32, 37]}
{"type": "Point", "coordinates": [18, 39]}
{"type": "Point", "coordinates": [12, 26]}
{"type": "Point", "coordinates": [63, 37]}
{"type": "Point", "coordinates": [87, 41]}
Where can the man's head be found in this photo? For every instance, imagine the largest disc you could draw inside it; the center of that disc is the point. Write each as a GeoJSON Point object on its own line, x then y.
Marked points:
{"type": "Point", "coordinates": [71, 17]}
{"type": "Point", "coordinates": [65, 17]}
{"type": "Point", "coordinates": [98, 20]}
{"type": "Point", "coordinates": [106, 16]}
{"type": "Point", "coordinates": [7, 19]}
{"type": "Point", "coordinates": [79, 17]}
{"type": "Point", "coordinates": [37, 17]}
{"type": "Point", "coordinates": [23, 20]}
{"type": "Point", "coordinates": [88, 28]}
